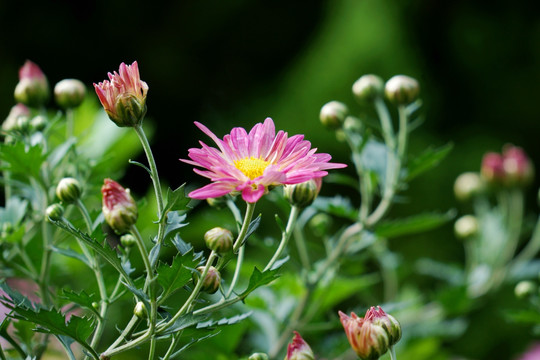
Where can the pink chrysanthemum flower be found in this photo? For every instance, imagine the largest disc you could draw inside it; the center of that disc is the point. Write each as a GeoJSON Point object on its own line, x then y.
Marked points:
{"type": "Point", "coordinates": [124, 96]}
{"type": "Point", "coordinates": [250, 163]}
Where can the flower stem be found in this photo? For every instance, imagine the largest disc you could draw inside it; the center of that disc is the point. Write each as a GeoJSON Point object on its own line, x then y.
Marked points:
{"type": "Point", "coordinates": [392, 352]}
{"type": "Point", "coordinates": [250, 209]}
{"type": "Point", "coordinates": [285, 236]}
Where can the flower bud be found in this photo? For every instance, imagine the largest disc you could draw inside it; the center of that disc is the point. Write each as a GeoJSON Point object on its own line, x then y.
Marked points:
{"type": "Point", "coordinates": [95, 305]}
{"type": "Point", "coordinates": [212, 280]}
{"type": "Point", "coordinates": [68, 190]}
{"type": "Point", "coordinates": [54, 212]}
{"type": "Point", "coordinates": [219, 240]}
{"type": "Point", "coordinates": [370, 341]}
{"type": "Point", "coordinates": [33, 88]}
{"type": "Point", "coordinates": [140, 310]}
{"type": "Point", "coordinates": [387, 321]}
{"type": "Point", "coordinates": [258, 356]}
{"type": "Point", "coordinates": [368, 87]}
{"type": "Point", "coordinates": [320, 224]}
{"type": "Point", "coordinates": [38, 123]}
{"type": "Point", "coordinates": [467, 185]}
{"type": "Point", "coordinates": [466, 227]}
{"type": "Point", "coordinates": [517, 167]}
{"type": "Point", "coordinates": [333, 114]}
{"type": "Point", "coordinates": [402, 89]}
{"type": "Point", "coordinates": [492, 170]}
{"type": "Point", "coordinates": [303, 194]}
{"type": "Point", "coordinates": [128, 240]}
{"type": "Point", "coordinates": [119, 207]}
{"type": "Point", "coordinates": [525, 288]}
{"type": "Point", "coordinates": [352, 124]}
{"type": "Point", "coordinates": [298, 349]}
{"type": "Point", "coordinates": [16, 112]}
{"type": "Point", "coordinates": [69, 93]}
{"type": "Point", "coordinates": [23, 124]}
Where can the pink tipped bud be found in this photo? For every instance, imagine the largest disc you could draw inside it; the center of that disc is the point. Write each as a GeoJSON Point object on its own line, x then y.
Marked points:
{"type": "Point", "coordinates": [402, 89]}
{"type": "Point", "coordinates": [299, 349]}
{"type": "Point", "coordinates": [119, 207]}
{"type": "Point", "coordinates": [123, 96]}
{"type": "Point", "coordinates": [219, 239]}
{"type": "Point", "coordinates": [369, 340]}
{"type": "Point", "coordinates": [388, 322]}
{"type": "Point", "coordinates": [333, 114]}
{"type": "Point", "coordinates": [33, 87]}
{"type": "Point", "coordinates": [492, 170]}
{"type": "Point", "coordinates": [517, 167]}
{"type": "Point", "coordinates": [16, 112]}
{"type": "Point", "coordinates": [212, 280]}
{"type": "Point", "coordinates": [303, 194]}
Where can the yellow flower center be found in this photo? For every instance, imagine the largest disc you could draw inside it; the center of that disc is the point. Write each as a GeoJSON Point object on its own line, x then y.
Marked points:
{"type": "Point", "coordinates": [251, 167]}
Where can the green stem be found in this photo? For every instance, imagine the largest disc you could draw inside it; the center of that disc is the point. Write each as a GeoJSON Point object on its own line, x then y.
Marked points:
{"type": "Point", "coordinates": [69, 123]}
{"type": "Point", "coordinates": [386, 123]}
{"type": "Point", "coordinates": [152, 349]}
{"type": "Point", "coordinates": [285, 236]}
{"type": "Point", "coordinates": [392, 352]}
{"type": "Point", "coordinates": [171, 348]}
{"type": "Point", "coordinates": [237, 269]}
{"type": "Point", "coordinates": [131, 324]}
{"type": "Point", "coordinates": [302, 248]}
{"type": "Point", "coordinates": [250, 209]}
{"type": "Point", "coordinates": [532, 247]}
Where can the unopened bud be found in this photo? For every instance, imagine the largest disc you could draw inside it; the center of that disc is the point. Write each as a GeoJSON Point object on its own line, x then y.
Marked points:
{"type": "Point", "coordinates": [95, 305]}
{"type": "Point", "coordinates": [467, 185]}
{"type": "Point", "coordinates": [402, 89]}
{"type": "Point", "coordinates": [370, 341]}
{"type": "Point", "coordinates": [212, 280]}
{"type": "Point", "coordinates": [333, 114]}
{"type": "Point", "coordinates": [352, 124]}
{"type": "Point", "coordinates": [368, 87]}
{"type": "Point", "coordinates": [219, 240]}
{"type": "Point", "coordinates": [119, 207]}
{"type": "Point", "coordinates": [299, 349]}
{"type": "Point", "coordinates": [33, 88]}
{"type": "Point", "coordinates": [492, 169]}
{"type": "Point", "coordinates": [518, 169]}
{"type": "Point", "coordinates": [38, 123]}
{"type": "Point", "coordinates": [16, 112]}
{"type": "Point", "coordinates": [54, 212]}
{"type": "Point", "coordinates": [303, 194]}
{"type": "Point", "coordinates": [23, 124]}
{"type": "Point", "coordinates": [466, 227]}
{"type": "Point", "coordinates": [69, 93]}
{"type": "Point", "coordinates": [68, 190]}
{"type": "Point", "coordinates": [128, 240]}
{"type": "Point", "coordinates": [387, 321]}
{"type": "Point", "coordinates": [525, 288]}
{"type": "Point", "coordinates": [130, 110]}
{"type": "Point", "coordinates": [140, 310]}
{"type": "Point", "coordinates": [258, 356]}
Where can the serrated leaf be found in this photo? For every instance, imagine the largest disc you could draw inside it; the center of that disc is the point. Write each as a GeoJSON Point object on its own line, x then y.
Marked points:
{"type": "Point", "coordinates": [3, 333]}
{"type": "Point", "coordinates": [17, 158]}
{"type": "Point", "coordinates": [175, 221]}
{"type": "Point", "coordinates": [71, 253]}
{"type": "Point", "coordinates": [258, 279]}
{"type": "Point", "coordinates": [104, 250]}
{"type": "Point", "coordinates": [184, 322]}
{"type": "Point", "coordinates": [176, 200]}
{"type": "Point", "coordinates": [427, 160]}
{"type": "Point", "coordinates": [191, 343]}
{"type": "Point", "coordinates": [413, 224]}
{"type": "Point", "coordinates": [82, 299]}
{"type": "Point", "coordinates": [140, 295]}
{"type": "Point", "coordinates": [180, 245]}
{"type": "Point", "coordinates": [14, 297]}
{"type": "Point", "coordinates": [224, 321]}
{"type": "Point", "coordinates": [178, 274]}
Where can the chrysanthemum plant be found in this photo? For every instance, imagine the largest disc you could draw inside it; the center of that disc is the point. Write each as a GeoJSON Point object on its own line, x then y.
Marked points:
{"type": "Point", "coordinates": [53, 230]}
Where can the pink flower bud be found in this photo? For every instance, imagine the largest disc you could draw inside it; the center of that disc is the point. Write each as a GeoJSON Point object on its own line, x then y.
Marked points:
{"type": "Point", "coordinates": [299, 349]}
{"type": "Point", "coordinates": [17, 111]}
{"type": "Point", "coordinates": [492, 168]}
{"type": "Point", "coordinates": [33, 88]}
{"type": "Point", "coordinates": [119, 207]}
{"type": "Point", "coordinates": [389, 323]}
{"type": "Point", "coordinates": [124, 96]}
{"type": "Point", "coordinates": [517, 167]}
{"type": "Point", "coordinates": [369, 340]}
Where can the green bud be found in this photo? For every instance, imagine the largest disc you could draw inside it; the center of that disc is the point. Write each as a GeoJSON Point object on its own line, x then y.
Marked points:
{"type": "Point", "coordinates": [54, 212]}
{"type": "Point", "coordinates": [130, 110]}
{"type": "Point", "coordinates": [128, 240]}
{"type": "Point", "coordinates": [69, 93]}
{"type": "Point", "coordinates": [466, 227]}
{"type": "Point", "coordinates": [352, 124]}
{"type": "Point", "coordinates": [219, 240]}
{"type": "Point", "coordinates": [95, 305]}
{"type": "Point", "coordinates": [333, 114]}
{"type": "Point", "coordinates": [38, 123]}
{"type": "Point", "coordinates": [525, 288]}
{"type": "Point", "coordinates": [258, 356]}
{"type": "Point", "coordinates": [68, 190]}
{"type": "Point", "coordinates": [368, 88]}
{"type": "Point", "coordinates": [303, 194]}
{"type": "Point", "coordinates": [140, 310]}
{"type": "Point", "coordinates": [468, 185]}
{"type": "Point", "coordinates": [402, 90]}
{"type": "Point", "coordinates": [320, 224]}
{"type": "Point", "coordinates": [212, 280]}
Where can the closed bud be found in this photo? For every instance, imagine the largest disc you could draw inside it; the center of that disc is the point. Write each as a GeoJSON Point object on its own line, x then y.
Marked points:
{"type": "Point", "coordinates": [127, 240]}
{"type": "Point", "coordinates": [33, 87]}
{"type": "Point", "coordinates": [299, 349]}
{"type": "Point", "coordinates": [68, 190]}
{"type": "Point", "coordinates": [467, 185]}
{"type": "Point", "coordinates": [18, 111]}
{"type": "Point", "coordinates": [140, 310]}
{"type": "Point", "coordinates": [525, 288]}
{"type": "Point", "coordinates": [212, 280]}
{"type": "Point", "coordinates": [130, 110]}
{"type": "Point", "coordinates": [517, 167]}
{"type": "Point", "coordinates": [466, 227]}
{"type": "Point", "coordinates": [38, 123]}
{"type": "Point", "coordinates": [54, 212]}
{"type": "Point", "coordinates": [95, 305]}
{"type": "Point", "coordinates": [368, 87]}
{"type": "Point", "coordinates": [389, 323]}
{"type": "Point", "coordinates": [352, 124]}
{"type": "Point", "coordinates": [69, 93]}
{"type": "Point", "coordinates": [219, 240]}
{"type": "Point", "coordinates": [370, 341]}
{"type": "Point", "coordinates": [23, 124]}
{"type": "Point", "coordinates": [258, 356]}
{"type": "Point", "coordinates": [119, 207]}
{"type": "Point", "coordinates": [333, 114]}
{"type": "Point", "coordinates": [303, 194]}
{"type": "Point", "coordinates": [402, 90]}
{"type": "Point", "coordinates": [492, 170]}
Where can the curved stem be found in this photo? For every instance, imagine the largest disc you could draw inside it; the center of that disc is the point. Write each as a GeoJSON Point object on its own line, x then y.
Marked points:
{"type": "Point", "coordinates": [392, 352]}
{"type": "Point", "coordinates": [237, 269]}
{"type": "Point", "coordinates": [285, 236]}
{"type": "Point", "coordinates": [250, 209]}
{"type": "Point", "coordinates": [386, 123]}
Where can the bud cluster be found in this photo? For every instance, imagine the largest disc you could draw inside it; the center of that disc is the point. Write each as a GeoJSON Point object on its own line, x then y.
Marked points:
{"type": "Point", "coordinates": [510, 168]}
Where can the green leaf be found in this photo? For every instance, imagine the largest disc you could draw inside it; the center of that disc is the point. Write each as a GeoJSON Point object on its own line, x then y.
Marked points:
{"type": "Point", "coordinates": [175, 221]}
{"type": "Point", "coordinates": [528, 316]}
{"type": "Point", "coordinates": [18, 158]}
{"type": "Point", "coordinates": [3, 333]}
{"type": "Point", "coordinates": [427, 160]}
{"type": "Point", "coordinates": [413, 224]}
{"type": "Point", "coordinates": [105, 251]}
{"type": "Point", "coordinates": [337, 205]}
{"type": "Point", "coordinates": [184, 322]}
{"type": "Point", "coordinates": [253, 226]}
{"type": "Point", "coordinates": [176, 200]}
{"type": "Point", "coordinates": [180, 245]}
{"type": "Point", "coordinates": [191, 343]}
{"type": "Point", "coordinates": [71, 253]}
{"type": "Point", "coordinates": [59, 153]}
{"type": "Point", "coordinates": [14, 211]}
{"type": "Point", "coordinates": [82, 299]}
{"type": "Point", "coordinates": [178, 274]}
{"type": "Point", "coordinates": [258, 279]}
{"type": "Point", "coordinates": [224, 321]}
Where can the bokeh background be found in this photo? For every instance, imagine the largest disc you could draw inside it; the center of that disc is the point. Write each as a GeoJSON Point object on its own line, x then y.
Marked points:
{"type": "Point", "coordinates": [233, 63]}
